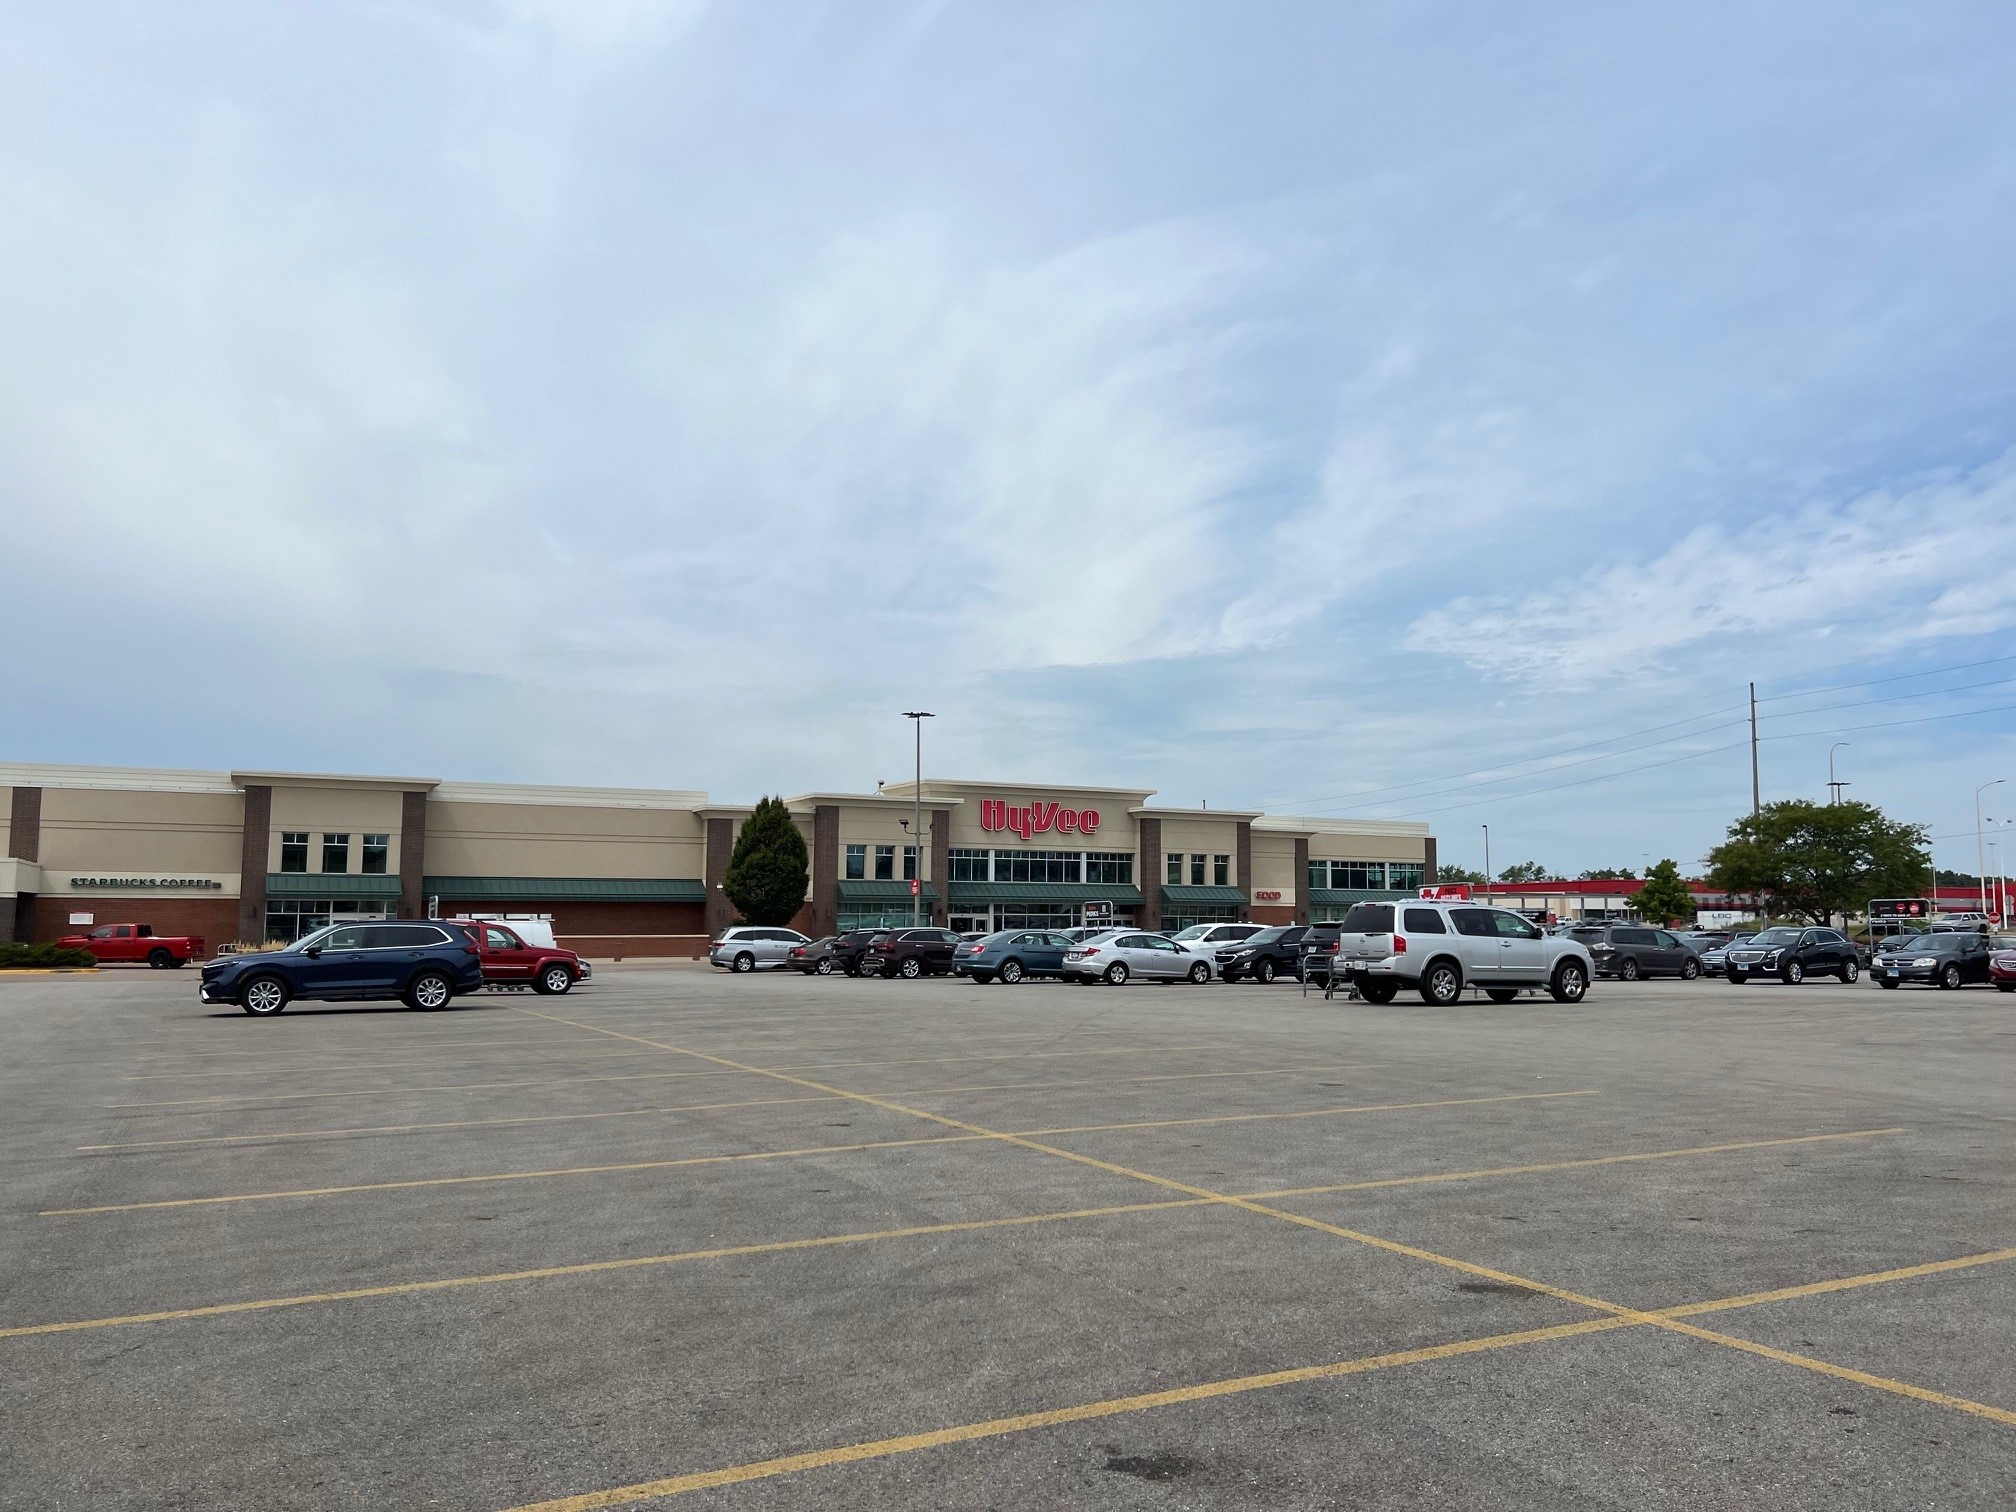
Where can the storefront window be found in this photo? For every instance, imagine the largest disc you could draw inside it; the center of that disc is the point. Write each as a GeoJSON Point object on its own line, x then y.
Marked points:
{"type": "Point", "coordinates": [885, 863]}
{"type": "Point", "coordinates": [377, 852]}
{"type": "Point", "coordinates": [1199, 913]}
{"type": "Point", "coordinates": [291, 918]}
{"type": "Point", "coordinates": [857, 863]}
{"type": "Point", "coordinates": [1221, 871]}
{"type": "Point", "coordinates": [335, 853]}
{"type": "Point", "coordinates": [294, 850]}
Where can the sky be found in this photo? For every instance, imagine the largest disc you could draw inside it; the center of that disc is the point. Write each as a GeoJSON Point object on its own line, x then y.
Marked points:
{"type": "Point", "coordinates": [1436, 411]}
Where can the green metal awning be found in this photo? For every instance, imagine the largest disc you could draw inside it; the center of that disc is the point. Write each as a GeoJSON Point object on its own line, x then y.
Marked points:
{"type": "Point", "coordinates": [567, 889]}
{"type": "Point", "coordinates": [1334, 895]}
{"type": "Point", "coordinates": [883, 892]}
{"type": "Point", "coordinates": [330, 885]}
{"type": "Point", "coordinates": [1045, 892]}
{"type": "Point", "coordinates": [1177, 897]}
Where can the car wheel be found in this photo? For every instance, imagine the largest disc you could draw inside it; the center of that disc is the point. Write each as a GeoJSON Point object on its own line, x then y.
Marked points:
{"type": "Point", "coordinates": [555, 980]}
{"type": "Point", "coordinates": [1738, 978]}
{"type": "Point", "coordinates": [159, 959]}
{"type": "Point", "coordinates": [2005, 986]}
{"type": "Point", "coordinates": [1441, 984]}
{"type": "Point", "coordinates": [1689, 969]}
{"type": "Point", "coordinates": [1628, 969]}
{"type": "Point", "coordinates": [264, 996]}
{"type": "Point", "coordinates": [1011, 971]}
{"type": "Point", "coordinates": [1199, 974]}
{"type": "Point", "coordinates": [825, 966]}
{"type": "Point", "coordinates": [1502, 994]}
{"type": "Point", "coordinates": [1378, 992]}
{"type": "Point", "coordinates": [1850, 972]}
{"type": "Point", "coordinates": [911, 969]}
{"type": "Point", "coordinates": [1950, 977]}
{"type": "Point", "coordinates": [1116, 974]}
{"type": "Point", "coordinates": [1793, 974]}
{"type": "Point", "coordinates": [1570, 984]}
{"type": "Point", "coordinates": [429, 990]}
{"type": "Point", "coordinates": [745, 962]}
{"type": "Point", "coordinates": [1889, 986]}
{"type": "Point", "coordinates": [1264, 973]}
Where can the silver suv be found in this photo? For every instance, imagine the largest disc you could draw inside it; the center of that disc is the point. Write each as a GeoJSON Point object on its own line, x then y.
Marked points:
{"type": "Point", "coordinates": [1438, 948]}
{"type": "Point", "coordinates": [752, 947]}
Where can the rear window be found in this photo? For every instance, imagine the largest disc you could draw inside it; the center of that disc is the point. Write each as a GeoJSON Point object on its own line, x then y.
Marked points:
{"type": "Point", "coordinates": [1423, 921]}
{"type": "Point", "coordinates": [1368, 918]}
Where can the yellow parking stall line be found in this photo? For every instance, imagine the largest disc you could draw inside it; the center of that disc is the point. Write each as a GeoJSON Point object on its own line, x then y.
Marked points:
{"type": "Point", "coordinates": [544, 1118]}
{"type": "Point", "coordinates": [1845, 1283]}
{"type": "Point", "coordinates": [304, 1068]}
{"type": "Point", "coordinates": [1226, 1118]}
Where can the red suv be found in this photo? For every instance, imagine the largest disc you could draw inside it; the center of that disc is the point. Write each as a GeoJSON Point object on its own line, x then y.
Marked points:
{"type": "Point", "coordinates": [508, 958]}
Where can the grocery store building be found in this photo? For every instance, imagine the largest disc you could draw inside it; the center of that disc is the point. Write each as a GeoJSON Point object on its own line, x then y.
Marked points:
{"type": "Point", "coordinates": [251, 855]}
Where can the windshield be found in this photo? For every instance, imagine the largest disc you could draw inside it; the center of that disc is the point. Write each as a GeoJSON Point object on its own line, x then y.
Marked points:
{"type": "Point", "coordinates": [315, 937]}
{"type": "Point", "coordinates": [1194, 932]}
{"type": "Point", "coordinates": [1267, 936]}
{"type": "Point", "coordinates": [1776, 937]}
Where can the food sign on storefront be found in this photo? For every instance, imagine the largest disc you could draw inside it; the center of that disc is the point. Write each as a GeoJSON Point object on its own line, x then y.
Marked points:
{"type": "Point", "coordinates": [1032, 819]}
{"type": "Point", "coordinates": [1457, 890]}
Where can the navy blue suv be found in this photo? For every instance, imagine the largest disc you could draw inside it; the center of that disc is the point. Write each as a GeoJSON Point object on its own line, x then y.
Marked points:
{"type": "Point", "coordinates": [425, 964]}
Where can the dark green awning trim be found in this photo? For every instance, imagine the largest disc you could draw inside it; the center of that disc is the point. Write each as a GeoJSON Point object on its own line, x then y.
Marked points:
{"type": "Point", "coordinates": [330, 885]}
{"type": "Point", "coordinates": [1045, 892]}
{"type": "Point", "coordinates": [883, 892]}
{"type": "Point", "coordinates": [1173, 896]}
{"type": "Point", "coordinates": [567, 889]}
{"type": "Point", "coordinates": [1358, 895]}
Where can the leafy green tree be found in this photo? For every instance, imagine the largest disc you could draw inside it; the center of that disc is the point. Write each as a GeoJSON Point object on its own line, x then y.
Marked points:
{"type": "Point", "coordinates": [767, 871]}
{"type": "Point", "coordinates": [1446, 873]}
{"type": "Point", "coordinates": [1665, 896]}
{"type": "Point", "coordinates": [1525, 871]}
{"type": "Point", "coordinates": [1609, 874]}
{"type": "Point", "coordinates": [1818, 859]}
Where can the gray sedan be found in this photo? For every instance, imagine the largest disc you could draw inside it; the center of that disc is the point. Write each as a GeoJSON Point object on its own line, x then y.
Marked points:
{"type": "Point", "coordinates": [1116, 956]}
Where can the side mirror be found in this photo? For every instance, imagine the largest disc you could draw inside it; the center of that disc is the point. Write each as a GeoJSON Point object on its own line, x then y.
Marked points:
{"type": "Point", "coordinates": [313, 952]}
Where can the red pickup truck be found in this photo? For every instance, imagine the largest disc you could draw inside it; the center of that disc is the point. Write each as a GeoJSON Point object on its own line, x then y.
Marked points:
{"type": "Point", "coordinates": [510, 959]}
{"type": "Point", "coordinates": [115, 943]}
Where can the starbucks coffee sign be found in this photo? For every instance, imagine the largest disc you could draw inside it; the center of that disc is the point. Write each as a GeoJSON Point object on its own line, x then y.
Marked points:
{"type": "Point", "coordinates": [150, 884]}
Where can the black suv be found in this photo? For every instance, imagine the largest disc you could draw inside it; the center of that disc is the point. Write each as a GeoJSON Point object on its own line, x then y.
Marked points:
{"type": "Point", "coordinates": [1632, 951]}
{"type": "Point", "coordinates": [1950, 958]}
{"type": "Point", "coordinates": [1792, 955]}
{"type": "Point", "coordinates": [911, 953]}
{"type": "Point", "coordinates": [425, 964]}
{"type": "Point", "coordinates": [848, 948]}
{"type": "Point", "coordinates": [1264, 956]}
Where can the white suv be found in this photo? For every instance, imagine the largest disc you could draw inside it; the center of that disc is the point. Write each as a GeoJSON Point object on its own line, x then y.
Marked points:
{"type": "Point", "coordinates": [1439, 948]}
{"type": "Point", "coordinates": [752, 947]}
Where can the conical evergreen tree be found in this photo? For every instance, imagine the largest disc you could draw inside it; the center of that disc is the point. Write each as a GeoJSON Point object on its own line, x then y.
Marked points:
{"type": "Point", "coordinates": [767, 872]}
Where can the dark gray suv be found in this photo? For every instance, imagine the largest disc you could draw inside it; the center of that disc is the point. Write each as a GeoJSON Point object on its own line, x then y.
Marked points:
{"type": "Point", "coordinates": [1631, 951]}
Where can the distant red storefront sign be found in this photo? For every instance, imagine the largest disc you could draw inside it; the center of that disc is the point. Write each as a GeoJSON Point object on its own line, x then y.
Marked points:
{"type": "Point", "coordinates": [1031, 819]}
{"type": "Point", "coordinates": [1457, 890]}
{"type": "Point", "coordinates": [1267, 896]}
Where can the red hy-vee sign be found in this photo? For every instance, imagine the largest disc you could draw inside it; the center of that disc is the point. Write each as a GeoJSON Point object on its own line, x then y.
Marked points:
{"type": "Point", "coordinates": [1031, 819]}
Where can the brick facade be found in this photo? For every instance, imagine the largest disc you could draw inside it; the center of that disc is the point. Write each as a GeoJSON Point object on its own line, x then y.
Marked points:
{"type": "Point", "coordinates": [1428, 859]}
{"type": "Point", "coordinates": [412, 855]}
{"type": "Point", "coordinates": [720, 913]}
{"type": "Point", "coordinates": [252, 850]}
{"type": "Point", "coordinates": [941, 867]}
{"type": "Point", "coordinates": [822, 915]}
{"type": "Point", "coordinates": [1242, 844]}
{"type": "Point", "coordinates": [605, 930]}
{"type": "Point", "coordinates": [24, 824]}
{"type": "Point", "coordinates": [1301, 883]}
{"type": "Point", "coordinates": [1150, 863]}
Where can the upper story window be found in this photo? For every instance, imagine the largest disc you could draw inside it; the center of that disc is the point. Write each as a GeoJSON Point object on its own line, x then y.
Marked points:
{"type": "Point", "coordinates": [1173, 868]}
{"type": "Point", "coordinates": [293, 850]}
{"type": "Point", "coordinates": [857, 863]}
{"type": "Point", "coordinates": [909, 862]}
{"type": "Point", "coordinates": [335, 853]}
{"type": "Point", "coordinates": [1109, 867]}
{"type": "Point", "coordinates": [377, 852]}
{"type": "Point", "coordinates": [1196, 871]}
{"type": "Point", "coordinates": [1221, 871]}
{"type": "Point", "coordinates": [885, 863]}
{"type": "Point", "coordinates": [964, 864]}
{"type": "Point", "coordinates": [1038, 866]}
{"type": "Point", "coordinates": [1406, 874]}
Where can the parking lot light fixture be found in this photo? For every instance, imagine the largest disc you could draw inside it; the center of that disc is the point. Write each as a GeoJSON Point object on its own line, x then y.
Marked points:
{"type": "Point", "coordinates": [1487, 860]}
{"type": "Point", "coordinates": [917, 718]}
{"type": "Point", "coordinates": [1980, 858]}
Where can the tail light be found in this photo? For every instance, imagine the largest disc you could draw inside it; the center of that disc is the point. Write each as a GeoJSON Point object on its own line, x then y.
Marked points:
{"type": "Point", "coordinates": [1088, 950]}
{"type": "Point", "coordinates": [1399, 944]}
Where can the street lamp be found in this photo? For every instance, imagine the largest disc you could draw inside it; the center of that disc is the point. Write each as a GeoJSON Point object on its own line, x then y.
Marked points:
{"type": "Point", "coordinates": [917, 718]}
{"type": "Point", "coordinates": [1833, 787]}
{"type": "Point", "coordinates": [1487, 860]}
{"type": "Point", "coordinates": [1981, 861]}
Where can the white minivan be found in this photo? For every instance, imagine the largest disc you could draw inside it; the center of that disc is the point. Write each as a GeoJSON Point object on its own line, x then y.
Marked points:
{"type": "Point", "coordinates": [753, 947]}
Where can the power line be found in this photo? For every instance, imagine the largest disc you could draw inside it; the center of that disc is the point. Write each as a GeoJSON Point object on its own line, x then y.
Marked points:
{"type": "Point", "coordinates": [1875, 681]}
{"type": "Point", "coordinates": [1892, 724]}
{"type": "Point", "coordinates": [1863, 703]}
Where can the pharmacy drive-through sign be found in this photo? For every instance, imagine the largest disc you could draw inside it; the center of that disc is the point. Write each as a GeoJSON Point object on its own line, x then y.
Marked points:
{"type": "Point", "coordinates": [1031, 819]}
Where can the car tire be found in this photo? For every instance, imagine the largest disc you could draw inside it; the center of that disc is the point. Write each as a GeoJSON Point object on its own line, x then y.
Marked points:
{"type": "Point", "coordinates": [1378, 992]}
{"type": "Point", "coordinates": [1441, 984]}
{"type": "Point", "coordinates": [159, 959]}
{"type": "Point", "coordinates": [1627, 969]}
{"type": "Point", "coordinates": [1738, 978]}
{"type": "Point", "coordinates": [824, 967]}
{"type": "Point", "coordinates": [1264, 973]}
{"type": "Point", "coordinates": [264, 996]}
{"type": "Point", "coordinates": [1200, 974]}
{"type": "Point", "coordinates": [1570, 983]}
{"type": "Point", "coordinates": [1792, 973]}
{"type": "Point", "coordinates": [1850, 972]}
{"type": "Point", "coordinates": [1889, 986]}
{"type": "Point", "coordinates": [428, 991]}
{"type": "Point", "coordinates": [1949, 979]}
{"type": "Point", "coordinates": [2005, 986]}
{"type": "Point", "coordinates": [1502, 994]}
{"type": "Point", "coordinates": [1689, 969]}
{"type": "Point", "coordinates": [1115, 975]}
{"type": "Point", "coordinates": [555, 981]}
{"type": "Point", "coordinates": [745, 962]}
{"type": "Point", "coordinates": [911, 969]}
{"type": "Point", "coordinates": [1011, 971]}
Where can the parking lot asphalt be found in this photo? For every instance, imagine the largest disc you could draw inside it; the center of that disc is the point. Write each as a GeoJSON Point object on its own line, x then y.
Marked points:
{"type": "Point", "coordinates": [682, 1239]}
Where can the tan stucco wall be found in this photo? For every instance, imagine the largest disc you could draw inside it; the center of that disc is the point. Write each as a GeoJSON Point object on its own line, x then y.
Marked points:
{"type": "Point", "coordinates": [321, 811]}
{"type": "Point", "coordinates": [1274, 865]}
{"type": "Point", "coordinates": [562, 840]}
{"type": "Point", "coordinates": [1367, 848]}
{"type": "Point", "coordinates": [108, 831]}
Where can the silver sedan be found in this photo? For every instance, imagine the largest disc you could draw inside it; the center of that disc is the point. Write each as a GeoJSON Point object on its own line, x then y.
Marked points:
{"type": "Point", "coordinates": [1120, 954]}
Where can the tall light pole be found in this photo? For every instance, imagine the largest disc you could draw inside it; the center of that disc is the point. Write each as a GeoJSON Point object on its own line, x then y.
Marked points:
{"type": "Point", "coordinates": [1980, 860]}
{"type": "Point", "coordinates": [1833, 787]}
{"type": "Point", "coordinates": [917, 718]}
{"type": "Point", "coordinates": [1487, 860]}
